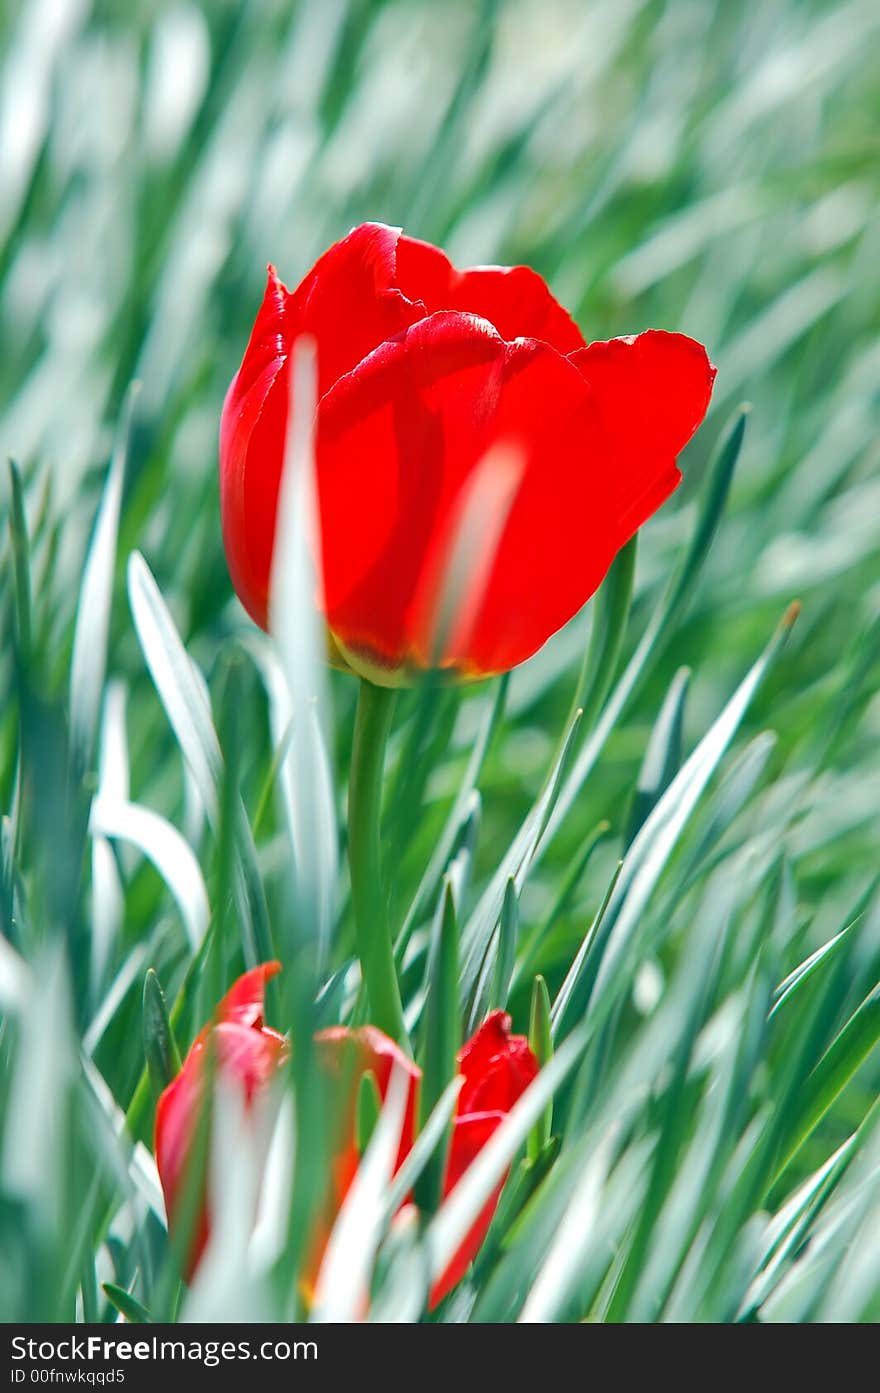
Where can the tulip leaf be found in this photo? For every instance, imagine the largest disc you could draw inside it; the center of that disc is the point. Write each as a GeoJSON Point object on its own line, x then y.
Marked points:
{"type": "Point", "coordinates": [508, 931]}
{"type": "Point", "coordinates": [786, 1231]}
{"type": "Point", "coordinates": [432, 1136]}
{"type": "Point", "coordinates": [575, 971]}
{"type": "Point", "coordinates": [497, 971]}
{"type": "Point", "coordinates": [441, 1037]}
{"type": "Point", "coordinates": [571, 879]}
{"type": "Point", "coordinates": [301, 713]}
{"type": "Point", "coordinates": [480, 927]}
{"type": "Point", "coordinates": [169, 852]}
{"type": "Point", "coordinates": [129, 972]}
{"type": "Point", "coordinates": [184, 696]}
{"type": "Point", "coordinates": [459, 815]}
{"type": "Point", "coordinates": [733, 793]}
{"type": "Point", "coordinates": [127, 1305]}
{"type": "Point", "coordinates": [663, 755]}
{"type": "Point", "coordinates": [160, 1048]}
{"type": "Point", "coordinates": [847, 1052]}
{"type": "Point", "coordinates": [610, 615]}
{"type": "Point", "coordinates": [89, 661]}
{"type": "Point", "coordinates": [611, 950]}
{"type": "Point", "coordinates": [574, 1235]}
{"type": "Point", "coordinates": [541, 1044]}
{"type": "Point", "coordinates": [180, 685]}
{"type": "Point", "coordinates": [21, 571]}
{"type": "Point", "coordinates": [713, 499]}
{"type": "Point", "coordinates": [367, 1110]}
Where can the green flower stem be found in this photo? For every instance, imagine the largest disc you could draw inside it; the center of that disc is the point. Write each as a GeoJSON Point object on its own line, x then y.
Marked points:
{"type": "Point", "coordinates": [372, 928]}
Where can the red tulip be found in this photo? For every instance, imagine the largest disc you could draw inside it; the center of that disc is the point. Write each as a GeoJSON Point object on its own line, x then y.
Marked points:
{"type": "Point", "coordinates": [422, 369]}
{"type": "Point", "coordinates": [244, 1051]}
{"type": "Point", "coordinates": [497, 1067]}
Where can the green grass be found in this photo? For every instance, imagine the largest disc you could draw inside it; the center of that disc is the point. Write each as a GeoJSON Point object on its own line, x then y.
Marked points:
{"type": "Point", "coordinates": [699, 166]}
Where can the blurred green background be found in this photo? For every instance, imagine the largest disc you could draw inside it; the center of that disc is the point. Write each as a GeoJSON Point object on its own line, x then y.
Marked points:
{"type": "Point", "coordinates": [706, 167]}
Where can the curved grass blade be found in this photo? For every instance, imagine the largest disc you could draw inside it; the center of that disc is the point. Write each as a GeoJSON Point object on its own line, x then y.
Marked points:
{"type": "Point", "coordinates": [127, 1305]}
{"type": "Point", "coordinates": [789, 988]}
{"type": "Point", "coordinates": [180, 686]}
{"type": "Point", "coordinates": [184, 696]}
{"type": "Point", "coordinates": [172, 856]}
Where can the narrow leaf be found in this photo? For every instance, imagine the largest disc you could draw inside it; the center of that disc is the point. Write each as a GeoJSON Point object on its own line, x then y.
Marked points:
{"type": "Point", "coordinates": [160, 1048]}
{"type": "Point", "coordinates": [89, 660]}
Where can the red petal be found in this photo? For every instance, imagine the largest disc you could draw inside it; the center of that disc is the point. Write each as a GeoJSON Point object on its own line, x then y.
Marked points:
{"type": "Point", "coordinates": [252, 430]}
{"type": "Point", "coordinates": [469, 1136]}
{"type": "Point", "coordinates": [349, 1055]}
{"type": "Point", "coordinates": [397, 440]}
{"type": "Point", "coordinates": [349, 304]}
{"type": "Point", "coordinates": [245, 1001]}
{"type": "Point", "coordinates": [350, 301]}
{"type": "Point", "coordinates": [244, 1051]}
{"type": "Point", "coordinates": [363, 291]}
{"type": "Point", "coordinates": [514, 299]}
{"type": "Point", "coordinates": [497, 1067]}
{"type": "Point", "coordinates": [653, 390]}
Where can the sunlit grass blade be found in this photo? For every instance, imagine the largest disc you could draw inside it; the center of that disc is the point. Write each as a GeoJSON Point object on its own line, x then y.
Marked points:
{"type": "Point", "coordinates": [295, 622]}
{"type": "Point", "coordinates": [558, 1275]}
{"type": "Point", "coordinates": [184, 696]}
{"type": "Point", "coordinates": [173, 858]}
{"type": "Point", "coordinates": [181, 689]}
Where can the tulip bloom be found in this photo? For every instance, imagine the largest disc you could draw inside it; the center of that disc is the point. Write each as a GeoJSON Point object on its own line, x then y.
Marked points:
{"type": "Point", "coordinates": [245, 1051]}
{"type": "Point", "coordinates": [423, 372]}
{"type": "Point", "coordinates": [496, 1068]}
